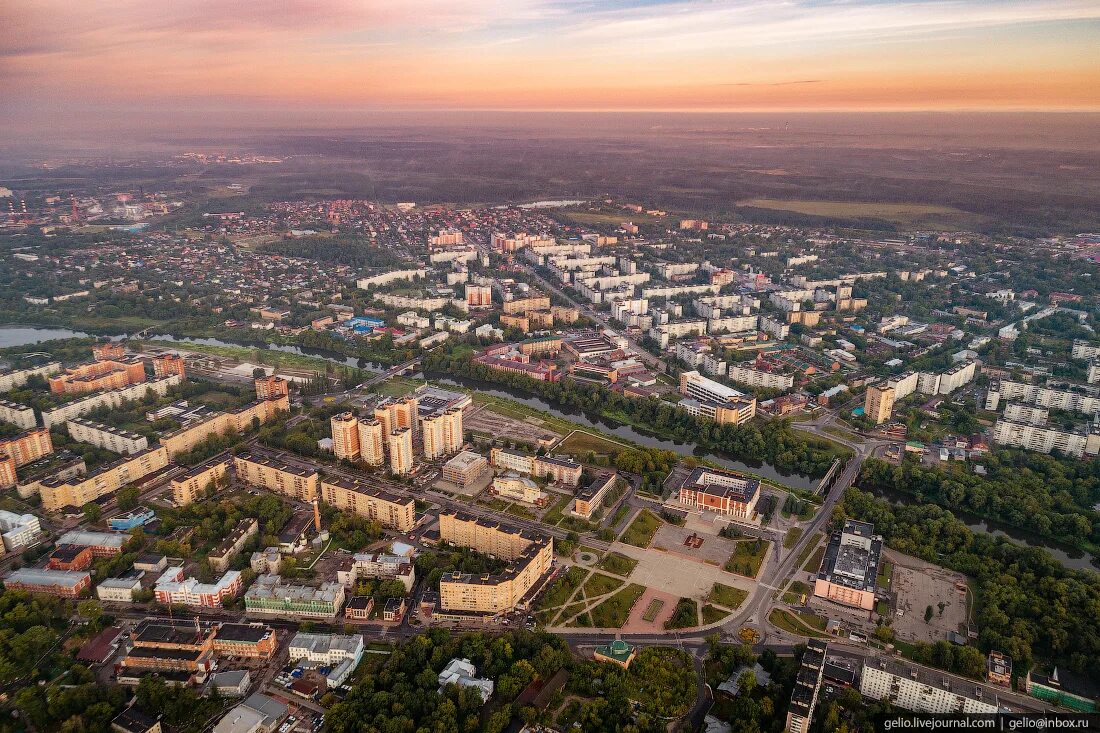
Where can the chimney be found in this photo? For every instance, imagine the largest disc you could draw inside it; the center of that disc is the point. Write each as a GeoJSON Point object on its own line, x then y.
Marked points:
{"type": "Point", "coordinates": [317, 516]}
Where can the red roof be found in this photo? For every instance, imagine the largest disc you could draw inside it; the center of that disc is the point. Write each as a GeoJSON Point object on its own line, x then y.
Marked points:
{"type": "Point", "coordinates": [99, 648]}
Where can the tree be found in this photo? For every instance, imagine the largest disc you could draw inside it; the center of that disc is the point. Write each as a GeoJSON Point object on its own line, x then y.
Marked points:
{"type": "Point", "coordinates": [92, 512]}
{"type": "Point", "coordinates": [128, 498]}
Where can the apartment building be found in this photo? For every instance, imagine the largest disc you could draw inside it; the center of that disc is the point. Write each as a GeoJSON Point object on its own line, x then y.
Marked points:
{"type": "Point", "coordinates": [120, 590]}
{"type": "Point", "coordinates": [442, 433]}
{"type": "Point", "coordinates": [479, 296]}
{"type": "Point", "coordinates": [18, 377]}
{"type": "Point", "coordinates": [189, 487]}
{"type": "Point", "coordinates": [1029, 414]}
{"type": "Point", "coordinates": [232, 544]}
{"type": "Point", "coordinates": [1081, 350]}
{"type": "Point", "coordinates": [18, 415]}
{"type": "Point", "coordinates": [760, 378]}
{"type": "Point", "coordinates": [245, 641]}
{"type": "Point", "coordinates": [345, 436]}
{"type": "Point", "coordinates": [359, 497]}
{"type": "Point", "coordinates": [530, 556]}
{"type": "Point", "coordinates": [695, 385]}
{"type": "Point", "coordinates": [505, 243]}
{"type": "Point", "coordinates": [60, 583]}
{"type": "Point", "coordinates": [591, 497]}
{"type": "Point", "coordinates": [924, 690]}
{"type": "Point", "coordinates": [400, 448]}
{"type": "Point", "coordinates": [167, 364]}
{"type": "Point", "coordinates": [725, 492]}
{"type": "Point", "coordinates": [807, 685]}
{"type": "Point", "coordinates": [1060, 396]}
{"type": "Point", "coordinates": [522, 305]}
{"type": "Point", "coordinates": [277, 476]}
{"type": "Point", "coordinates": [107, 437]}
{"type": "Point", "coordinates": [849, 568]}
{"type": "Point", "coordinates": [27, 447]}
{"type": "Point", "coordinates": [220, 423]}
{"type": "Point", "coordinates": [19, 530]}
{"type": "Point", "coordinates": [110, 398]}
{"type": "Point", "coordinates": [271, 388]}
{"type": "Point", "coordinates": [97, 376]}
{"type": "Point", "coordinates": [465, 469]}
{"type": "Point", "coordinates": [394, 414]}
{"type": "Point", "coordinates": [878, 404]}
{"type": "Point", "coordinates": [1045, 438]}
{"type": "Point", "coordinates": [58, 493]}
{"type": "Point", "coordinates": [108, 351]}
{"type": "Point", "coordinates": [8, 477]}
{"type": "Point", "coordinates": [270, 596]}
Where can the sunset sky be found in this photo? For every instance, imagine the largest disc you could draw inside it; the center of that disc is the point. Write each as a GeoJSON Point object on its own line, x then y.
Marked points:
{"type": "Point", "coordinates": [60, 56]}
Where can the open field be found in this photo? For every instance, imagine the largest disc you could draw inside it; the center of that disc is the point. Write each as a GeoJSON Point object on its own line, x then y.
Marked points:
{"type": "Point", "coordinates": [712, 614]}
{"type": "Point", "coordinates": [268, 357]}
{"type": "Point", "coordinates": [579, 443]}
{"type": "Point", "coordinates": [794, 534]}
{"type": "Point", "coordinates": [902, 213]}
{"type": "Point", "coordinates": [797, 624]}
{"type": "Point", "coordinates": [618, 564]}
{"type": "Point", "coordinates": [599, 584]}
{"type": "Point", "coordinates": [747, 558]}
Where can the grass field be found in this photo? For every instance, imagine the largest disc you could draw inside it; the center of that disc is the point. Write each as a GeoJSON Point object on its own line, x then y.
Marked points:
{"type": "Point", "coordinates": [618, 564]}
{"type": "Point", "coordinates": [794, 592]}
{"type": "Point", "coordinates": [580, 443]}
{"type": "Point", "coordinates": [792, 623]}
{"type": "Point", "coordinates": [727, 595]}
{"type": "Point", "coordinates": [270, 357]}
{"type": "Point", "coordinates": [599, 584]}
{"type": "Point", "coordinates": [396, 386]}
{"type": "Point", "coordinates": [885, 571]}
{"type": "Point", "coordinates": [613, 613]}
{"type": "Point", "coordinates": [685, 615]}
{"type": "Point", "coordinates": [747, 558]}
{"type": "Point", "coordinates": [563, 587]}
{"type": "Point", "coordinates": [899, 212]}
{"type": "Point", "coordinates": [794, 534]}
{"type": "Point", "coordinates": [653, 609]}
{"type": "Point", "coordinates": [591, 217]}
{"type": "Point", "coordinates": [712, 614]}
{"type": "Point", "coordinates": [641, 530]}
{"type": "Point", "coordinates": [814, 562]}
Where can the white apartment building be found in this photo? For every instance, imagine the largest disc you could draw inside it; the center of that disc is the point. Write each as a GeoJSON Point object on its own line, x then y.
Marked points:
{"type": "Point", "coordinates": [106, 436]}
{"type": "Point", "coordinates": [732, 324]}
{"type": "Point", "coordinates": [1085, 350]}
{"type": "Point", "coordinates": [760, 378]}
{"type": "Point", "coordinates": [1070, 397]}
{"type": "Point", "coordinates": [18, 377]}
{"type": "Point", "coordinates": [391, 277]}
{"type": "Point", "coordinates": [923, 690]}
{"type": "Point", "coordinates": [1093, 375]}
{"type": "Point", "coordinates": [1027, 414]}
{"type": "Point", "coordinates": [19, 530]}
{"type": "Point", "coordinates": [110, 398]}
{"type": "Point", "coordinates": [18, 415]}
{"type": "Point", "coordinates": [696, 386]}
{"type": "Point", "coordinates": [1044, 439]}
{"type": "Point", "coordinates": [326, 649]}
{"type": "Point", "coordinates": [119, 590]}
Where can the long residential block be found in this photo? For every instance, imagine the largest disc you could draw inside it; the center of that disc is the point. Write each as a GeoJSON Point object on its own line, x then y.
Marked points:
{"type": "Point", "coordinates": [18, 415]}
{"type": "Point", "coordinates": [110, 398]}
{"type": "Point", "coordinates": [367, 500]}
{"type": "Point", "coordinates": [278, 476]}
{"type": "Point", "coordinates": [18, 377]}
{"type": "Point", "coordinates": [107, 437]}
{"type": "Point", "coordinates": [58, 493]}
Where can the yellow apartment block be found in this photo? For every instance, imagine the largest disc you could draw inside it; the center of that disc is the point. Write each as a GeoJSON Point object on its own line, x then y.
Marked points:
{"type": "Point", "coordinates": [219, 423]}
{"type": "Point", "coordinates": [275, 475]}
{"type": "Point", "coordinates": [186, 489]}
{"type": "Point", "coordinates": [531, 558]}
{"type": "Point", "coordinates": [79, 490]}
{"type": "Point", "coordinates": [389, 509]}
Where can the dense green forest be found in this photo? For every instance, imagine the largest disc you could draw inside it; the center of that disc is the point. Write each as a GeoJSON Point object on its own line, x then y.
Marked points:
{"type": "Point", "coordinates": [1042, 494]}
{"type": "Point", "coordinates": [771, 441]}
{"type": "Point", "coordinates": [342, 249]}
{"type": "Point", "coordinates": [1029, 605]}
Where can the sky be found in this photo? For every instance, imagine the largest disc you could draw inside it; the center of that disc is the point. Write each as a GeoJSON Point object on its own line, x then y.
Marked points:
{"type": "Point", "coordinates": [116, 57]}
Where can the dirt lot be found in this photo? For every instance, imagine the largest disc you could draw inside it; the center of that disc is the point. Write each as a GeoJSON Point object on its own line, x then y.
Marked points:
{"type": "Point", "coordinates": [482, 420]}
{"type": "Point", "coordinates": [919, 585]}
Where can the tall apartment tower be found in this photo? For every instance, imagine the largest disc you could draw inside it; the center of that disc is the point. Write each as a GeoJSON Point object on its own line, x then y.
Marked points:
{"type": "Point", "coordinates": [401, 451]}
{"type": "Point", "coordinates": [395, 414]}
{"type": "Point", "coordinates": [879, 403]}
{"type": "Point", "coordinates": [442, 433]}
{"type": "Point", "coordinates": [372, 442]}
{"type": "Point", "coordinates": [345, 436]}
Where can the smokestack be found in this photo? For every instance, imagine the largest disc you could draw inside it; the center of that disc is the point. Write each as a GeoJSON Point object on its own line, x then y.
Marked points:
{"type": "Point", "coordinates": [317, 516]}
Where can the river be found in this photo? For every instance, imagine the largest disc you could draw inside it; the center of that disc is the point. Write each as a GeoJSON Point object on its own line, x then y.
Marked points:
{"type": "Point", "coordinates": [1071, 557]}
{"type": "Point", "coordinates": [27, 335]}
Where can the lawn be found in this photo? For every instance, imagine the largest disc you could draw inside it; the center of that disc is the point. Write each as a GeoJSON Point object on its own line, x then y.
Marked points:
{"type": "Point", "coordinates": [794, 534]}
{"type": "Point", "coordinates": [270, 357]}
{"type": "Point", "coordinates": [580, 443]}
{"type": "Point", "coordinates": [885, 572]}
{"type": "Point", "coordinates": [396, 387]}
{"type": "Point", "coordinates": [747, 558]}
{"type": "Point", "coordinates": [641, 530]}
{"type": "Point", "coordinates": [712, 614]}
{"type": "Point", "coordinates": [727, 595]}
{"type": "Point", "coordinates": [685, 615]}
{"type": "Point", "coordinates": [652, 609]}
{"type": "Point", "coordinates": [613, 612]}
{"type": "Point", "coordinates": [618, 564]}
{"type": "Point", "coordinates": [573, 610]}
{"type": "Point", "coordinates": [899, 212]}
{"type": "Point", "coordinates": [784, 619]}
{"type": "Point", "coordinates": [814, 563]}
{"type": "Point", "coordinates": [599, 584]}
{"type": "Point", "coordinates": [563, 587]}
{"type": "Point", "coordinates": [554, 514]}
{"type": "Point", "coordinates": [794, 593]}
{"type": "Point", "coordinates": [809, 549]}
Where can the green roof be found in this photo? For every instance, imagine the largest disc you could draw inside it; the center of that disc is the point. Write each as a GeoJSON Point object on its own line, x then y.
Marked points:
{"type": "Point", "coordinates": [618, 650]}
